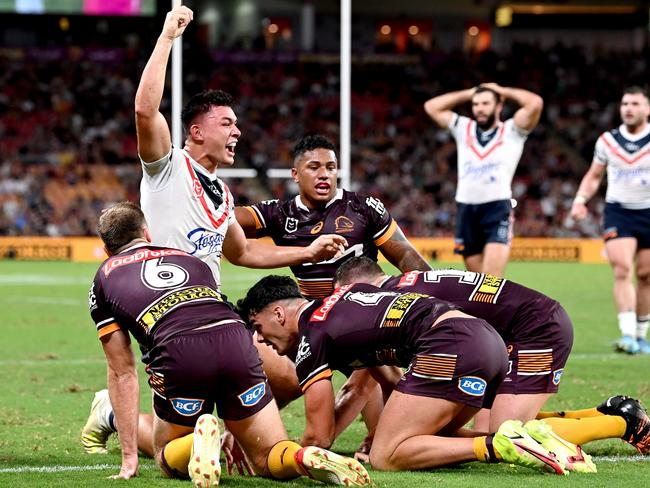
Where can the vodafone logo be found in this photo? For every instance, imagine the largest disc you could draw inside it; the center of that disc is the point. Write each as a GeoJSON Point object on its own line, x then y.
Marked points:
{"type": "Point", "coordinates": [137, 257]}
{"type": "Point", "coordinates": [320, 314]}
{"type": "Point", "coordinates": [408, 279]}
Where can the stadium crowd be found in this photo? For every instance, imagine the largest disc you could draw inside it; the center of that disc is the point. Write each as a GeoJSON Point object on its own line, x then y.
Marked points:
{"type": "Point", "coordinates": [68, 137]}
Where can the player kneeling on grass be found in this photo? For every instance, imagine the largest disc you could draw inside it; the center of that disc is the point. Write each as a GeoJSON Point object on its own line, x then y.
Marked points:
{"type": "Point", "coordinates": [198, 354]}
{"type": "Point", "coordinates": [538, 334]}
{"type": "Point", "coordinates": [455, 364]}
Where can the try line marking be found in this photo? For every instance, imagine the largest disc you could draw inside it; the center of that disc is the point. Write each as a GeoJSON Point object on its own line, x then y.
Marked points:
{"type": "Point", "coordinates": [102, 467]}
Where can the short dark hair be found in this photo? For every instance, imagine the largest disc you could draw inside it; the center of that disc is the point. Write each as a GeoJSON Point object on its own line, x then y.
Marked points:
{"type": "Point", "coordinates": [311, 142]}
{"type": "Point", "coordinates": [485, 89]}
{"type": "Point", "coordinates": [266, 291]}
{"type": "Point", "coordinates": [201, 104]}
{"type": "Point", "coordinates": [355, 268]}
{"type": "Point", "coordinates": [119, 224]}
{"type": "Point", "coordinates": [636, 90]}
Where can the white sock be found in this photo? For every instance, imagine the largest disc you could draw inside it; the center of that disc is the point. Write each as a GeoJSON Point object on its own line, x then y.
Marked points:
{"type": "Point", "coordinates": [627, 323]}
{"type": "Point", "coordinates": [642, 322]}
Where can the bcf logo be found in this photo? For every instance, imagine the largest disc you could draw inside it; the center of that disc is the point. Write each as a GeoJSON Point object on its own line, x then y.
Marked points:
{"type": "Point", "coordinates": [472, 385]}
{"type": "Point", "coordinates": [253, 395]}
{"type": "Point", "coordinates": [187, 406]}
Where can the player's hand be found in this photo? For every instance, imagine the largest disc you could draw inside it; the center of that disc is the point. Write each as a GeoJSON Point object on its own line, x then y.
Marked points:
{"type": "Point", "coordinates": [128, 470]}
{"type": "Point", "coordinates": [578, 211]}
{"type": "Point", "coordinates": [363, 451]}
{"type": "Point", "coordinates": [176, 22]}
{"type": "Point", "coordinates": [493, 86]}
{"type": "Point", "coordinates": [235, 456]}
{"type": "Point", "coordinates": [328, 246]}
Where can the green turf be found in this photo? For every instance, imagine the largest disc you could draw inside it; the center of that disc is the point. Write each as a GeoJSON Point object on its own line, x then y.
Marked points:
{"type": "Point", "coordinates": [52, 363]}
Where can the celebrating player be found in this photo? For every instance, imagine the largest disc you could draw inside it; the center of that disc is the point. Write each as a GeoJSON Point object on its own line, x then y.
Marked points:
{"type": "Point", "coordinates": [455, 364]}
{"type": "Point", "coordinates": [198, 355]}
{"type": "Point", "coordinates": [488, 153]}
{"type": "Point", "coordinates": [625, 154]}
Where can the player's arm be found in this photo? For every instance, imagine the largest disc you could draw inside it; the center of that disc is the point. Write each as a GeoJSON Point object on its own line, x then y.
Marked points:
{"type": "Point", "coordinates": [401, 253]}
{"type": "Point", "coordinates": [319, 414]}
{"type": "Point", "coordinates": [587, 189]}
{"type": "Point", "coordinates": [124, 392]}
{"type": "Point", "coordinates": [246, 220]}
{"type": "Point", "coordinates": [440, 108]}
{"type": "Point", "coordinates": [254, 254]}
{"type": "Point", "coordinates": [530, 104]}
{"type": "Point", "coordinates": [154, 138]}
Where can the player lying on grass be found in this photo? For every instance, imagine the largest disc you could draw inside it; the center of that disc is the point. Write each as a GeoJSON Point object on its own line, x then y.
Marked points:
{"type": "Point", "coordinates": [455, 364]}
{"type": "Point", "coordinates": [538, 334]}
{"type": "Point", "coordinates": [198, 354]}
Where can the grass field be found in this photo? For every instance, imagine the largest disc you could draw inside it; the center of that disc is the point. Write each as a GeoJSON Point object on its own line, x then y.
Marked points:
{"type": "Point", "coordinates": [52, 364]}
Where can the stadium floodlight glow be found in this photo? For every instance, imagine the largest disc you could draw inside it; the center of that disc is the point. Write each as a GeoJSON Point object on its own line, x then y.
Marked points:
{"type": "Point", "coordinates": [473, 31]}
{"type": "Point", "coordinates": [414, 30]}
{"type": "Point", "coordinates": [385, 29]}
{"type": "Point", "coordinates": [273, 28]}
{"type": "Point", "coordinates": [503, 16]}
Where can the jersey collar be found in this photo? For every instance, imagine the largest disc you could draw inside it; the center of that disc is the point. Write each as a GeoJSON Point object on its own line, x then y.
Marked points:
{"type": "Point", "coordinates": [337, 196]}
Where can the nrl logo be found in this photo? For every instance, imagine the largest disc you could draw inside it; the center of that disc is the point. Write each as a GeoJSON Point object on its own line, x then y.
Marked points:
{"type": "Point", "coordinates": [291, 225]}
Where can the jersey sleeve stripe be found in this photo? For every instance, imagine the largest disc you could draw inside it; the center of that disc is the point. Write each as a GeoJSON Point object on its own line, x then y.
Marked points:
{"type": "Point", "coordinates": [109, 329]}
{"type": "Point", "coordinates": [320, 376]}
{"type": "Point", "coordinates": [105, 322]}
{"type": "Point", "coordinates": [383, 235]}
{"type": "Point", "coordinates": [257, 217]}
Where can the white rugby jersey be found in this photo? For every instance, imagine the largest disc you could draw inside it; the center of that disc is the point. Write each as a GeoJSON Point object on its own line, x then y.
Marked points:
{"type": "Point", "coordinates": [180, 213]}
{"type": "Point", "coordinates": [486, 160]}
{"type": "Point", "coordinates": [627, 158]}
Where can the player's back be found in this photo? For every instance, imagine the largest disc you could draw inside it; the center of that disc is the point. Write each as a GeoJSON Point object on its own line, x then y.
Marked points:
{"type": "Point", "coordinates": [505, 305]}
{"type": "Point", "coordinates": [155, 293]}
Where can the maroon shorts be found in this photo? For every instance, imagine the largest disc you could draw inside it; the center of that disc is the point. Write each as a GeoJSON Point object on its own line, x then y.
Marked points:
{"type": "Point", "coordinates": [194, 371]}
{"type": "Point", "coordinates": [537, 356]}
{"type": "Point", "coordinates": [462, 360]}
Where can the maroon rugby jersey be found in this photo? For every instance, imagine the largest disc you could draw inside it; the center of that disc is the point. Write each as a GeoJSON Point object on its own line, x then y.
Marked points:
{"type": "Point", "coordinates": [361, 325]}
{"type": "Point", "coordinates": [362, 220]}
{"type": "Point", "coordinates": [154, 293]}
{"type": "Point", "coordinates": [508, 307]}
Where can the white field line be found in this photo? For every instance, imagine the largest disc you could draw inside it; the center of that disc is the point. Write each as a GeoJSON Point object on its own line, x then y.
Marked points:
{"type": "Point", "coordinates": [37, 279]}
{"type": "Point", "coordinates": [71, 302]}
{"type": "Point", "coordinates": [101, 467]}
{"type": "Point", "coordinates": [63, 468]}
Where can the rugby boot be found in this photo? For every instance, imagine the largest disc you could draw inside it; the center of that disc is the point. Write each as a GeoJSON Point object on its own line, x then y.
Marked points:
{"type": "Point", "coordinates": [571, 455]}
{"type": "Point", "coordinates": [515, 445]}
{"type": "Point", "coordinates": [644, 347]}
{"type": "Point", "coordinates": [204, 468]}
{"type": "Point", "coordinates": [627, 344]}
{"type": "Point", "coordinates": [97, 430]}
{"type": "Point", "coordinates": [328, 467]}
{"type": "Point", "coordinates": [637, 432]}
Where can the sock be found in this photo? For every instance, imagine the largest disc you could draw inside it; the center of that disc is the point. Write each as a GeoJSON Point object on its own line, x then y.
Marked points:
{"type": "Point", "coordinates": [281, 461]}
{"type": "Point", "coordinates": [581, 431]}
{"type": "Point", "coordinates": [570, 414]}
{"type": "Point", "coordinates": [484, 450]}
{"type": "Point", "coordinates": [642, 322]}
{"type": "Point", "coordinates": [627, 323]}
{"type": "Point", "coordinates": [176, 456]}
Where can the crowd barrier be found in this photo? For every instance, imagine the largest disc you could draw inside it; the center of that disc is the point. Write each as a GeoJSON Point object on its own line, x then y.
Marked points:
{"type": "Point", "coordinates": [84, 249]}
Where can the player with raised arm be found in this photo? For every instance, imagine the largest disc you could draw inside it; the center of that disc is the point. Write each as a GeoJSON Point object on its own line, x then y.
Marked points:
{"type": "Point", "coordinates": [624, 153]}
{"type": "Point", "coordinates": [538, 334]}
{"type": "Point", "coordinates": [198, 355]}
{"type": "Point", "coordinates": [188, 207]}
{"type": "Point", "coordinates": [488, 154]}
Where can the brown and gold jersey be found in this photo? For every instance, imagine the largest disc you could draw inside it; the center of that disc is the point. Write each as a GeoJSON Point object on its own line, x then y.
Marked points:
{"type": "Point", "coordinates": [362, 220]}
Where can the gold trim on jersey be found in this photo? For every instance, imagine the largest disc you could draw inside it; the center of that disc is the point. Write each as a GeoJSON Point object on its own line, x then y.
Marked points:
{"type": "Point", "coordinates": [435, 366]}
{"type": "Point", "coordinates": [399, 308]}
{"type": "Point", "coordinates": [258, 224]}
{"type": "Point", "coordinates": [392, 228]}
{"type": "Point", "coordinates": [487, 290]}
{"type": "Point", "coordinates": [165, 304]}
{"type": "Point", "coordinates": [343, 225]}
{"type": "Point", "coordinates": [320, 376]}
{"type": "Point", "coordinates": [109, 329]}
{"type": "Point", "coordinates": [316, 288]}
{"type": "Point", "coordinates": [534, 362]}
